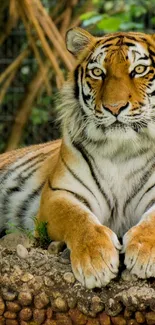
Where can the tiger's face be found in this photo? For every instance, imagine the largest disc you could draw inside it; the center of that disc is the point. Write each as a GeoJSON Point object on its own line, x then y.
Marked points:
{"type": "Point", "coordinates": [114, 82]}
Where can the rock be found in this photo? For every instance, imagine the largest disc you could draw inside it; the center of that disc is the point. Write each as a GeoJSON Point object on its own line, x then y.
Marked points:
{"type": "Point", "coordinates": [77, 317]}
{"type": "Point", "coordinates": [50, 322]}
{"type": "Point", "coordinates": [41, 300]}
{"type": "Point", "coordinates": [49, 313]}
{"type": "Point", "coordinates": [2, 306]}
{"type": "Point", "coordinates": [150, 318]}
{"type": "Point", "coordinates": [127, 276]}
{"type": "Point", "coordinates": [92, 321]}
{"type": "Point", "coordinates": [61, 304]}
{"type": "Point", "coordinates": [11, 322]}
{"type": "Point", "coordinates": [118, 320]}
{"type": "Point", "coordinates": [69, 277]}
{"type": "Point", "coordinates": [55, 247]}
{"type": "Point", "coordinates": [63, 319]}
{"type": "Point", "coordinates": [127, 313]}
{"type": "Point", "coordinates": [11, 241]}
{"type": "Point", "coordinates": [26, 277]}
{"type": "Point", "coordinates": [25, 314]}
{"type": "Point", "coordinates": [104, 319]}
{"type": "Point", "coordinates": [13, 306]}
{"type": "Point", "coordinates": [2, 320]}
{"type": "Point", "coordinates": [22, 252]}
{"type": "Point", "coordinates": [132, 322]}
{"type": "Point", "coordinates": [66, 254]}
{"type": "Point", "coordinates": [8, 295]}
{"type": "Point", "coordinates": [10, 315]}
{"type": "Point", "coordinates": [39, 316]}
{"type": "Point", "coordinates": [25, 298]}
{"type": "Point", "coordinates": [140, 318]}
{"type": "Point", "coordinates": [96, 305]}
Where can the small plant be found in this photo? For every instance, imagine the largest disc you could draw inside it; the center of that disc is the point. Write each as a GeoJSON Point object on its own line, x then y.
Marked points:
{"type": "Point", "coordinates": [41, 229]}
{"type": "Point", "coordinates": [12, 228]}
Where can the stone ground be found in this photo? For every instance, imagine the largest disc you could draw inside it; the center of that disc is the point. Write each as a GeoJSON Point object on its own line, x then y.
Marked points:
{"type": "Point", "coordinates": [37, 286]}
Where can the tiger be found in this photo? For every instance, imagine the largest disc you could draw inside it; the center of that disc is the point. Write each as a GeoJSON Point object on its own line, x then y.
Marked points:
{"type": "Point", "coordinates": [95, 187]}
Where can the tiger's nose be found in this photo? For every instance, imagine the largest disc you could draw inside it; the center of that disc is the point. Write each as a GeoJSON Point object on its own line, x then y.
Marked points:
{"type": "Point", "coordinates": [116, 108]}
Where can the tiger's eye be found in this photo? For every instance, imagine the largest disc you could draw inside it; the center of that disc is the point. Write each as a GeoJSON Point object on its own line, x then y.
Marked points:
{"type": "Point", "coordinates": [140, 69]}
{"type": "Point", "coordinates": [97, 72]}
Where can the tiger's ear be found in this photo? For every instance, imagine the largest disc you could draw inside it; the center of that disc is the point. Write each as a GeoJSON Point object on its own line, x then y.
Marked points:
{"type": "Point", "coordinates": [77, 39]}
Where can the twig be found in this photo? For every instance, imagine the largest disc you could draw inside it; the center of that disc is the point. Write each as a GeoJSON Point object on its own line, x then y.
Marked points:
{"type": "Point", "coordinates": [6, 85]}
{"type": "Point", "coordinates": [35, 49]}
{"type": "Point", "coordinates": [45, 44]}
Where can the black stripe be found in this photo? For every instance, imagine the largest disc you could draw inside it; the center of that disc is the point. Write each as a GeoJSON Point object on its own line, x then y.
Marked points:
{"type": "Point", "coordinates": [79, 197]}
{"type": "Point", "coordinates": [152, 202]}
{"type": "Point", "coordinates": [105, 46]}
{"type": "Point", "coordinates": [11, 170]}
{"type": "Point", "coordinates": [86, 157]}
{"type": "Point", "coordinates": [153, 93]}
{"type": "Point", "coordinates": [76, 86]}
{"type": "Point", "coordinates": [152, 78]}
{"type": "Point", "coordinates": [27, 203]}
{"type": "Point", "coordinates": [148, 190]}
{"type": "Point", "coordinates": [143, 58]}
{"type": "Point", "coordinates": [141, 184]}
{"type": "Point", "coordinates": [85, 97]}
{"type": "Point", "coordinates": [151, 52]}
{"type": "Point", "coordinates": [77, 178]}
{"type": "Point", "coordinates": [130, 44]}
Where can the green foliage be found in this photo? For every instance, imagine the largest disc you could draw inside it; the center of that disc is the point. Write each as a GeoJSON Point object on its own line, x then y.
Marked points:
{"type": "Point", "coordinates": [12, 228]}
{"type": "Point", "coordinates": [41, 229]}
{"type": "Point", "coordinates": [119, 15]}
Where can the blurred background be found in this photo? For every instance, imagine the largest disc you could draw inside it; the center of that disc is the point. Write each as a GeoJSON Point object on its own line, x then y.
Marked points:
{"type": "Point", "coordinates": [34, 61]}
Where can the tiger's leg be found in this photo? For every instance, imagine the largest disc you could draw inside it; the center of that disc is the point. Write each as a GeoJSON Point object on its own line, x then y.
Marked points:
{"type": "Point", "coordinates": [94, 248]}
{"type": "Point", "coordinates": [139, 246]}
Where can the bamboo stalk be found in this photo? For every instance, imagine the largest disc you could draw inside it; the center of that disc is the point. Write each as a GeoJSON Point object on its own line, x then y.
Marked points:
{"type": "Point", "coordinates": [6, 85]}
{"type": "Point", "coordinates": [45, 44]}
{"type": "Point", "coordinates": [61, 52]}
{"type": "Point", "coordinates": [35, 49]}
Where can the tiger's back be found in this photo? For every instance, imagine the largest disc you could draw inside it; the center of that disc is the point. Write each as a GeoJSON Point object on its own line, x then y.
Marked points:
{"type": "Point", "coordinates": [23, 173]}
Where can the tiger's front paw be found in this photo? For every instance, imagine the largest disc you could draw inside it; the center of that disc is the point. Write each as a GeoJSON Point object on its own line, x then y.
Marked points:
{"type": "Point", "coordinates": [95, 257]}
{"type": "Point", "coordinates": [139, 248]}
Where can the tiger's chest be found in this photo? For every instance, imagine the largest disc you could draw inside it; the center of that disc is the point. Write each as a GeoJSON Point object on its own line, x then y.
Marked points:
{"type": "Point", "coordinates": [126, 188]}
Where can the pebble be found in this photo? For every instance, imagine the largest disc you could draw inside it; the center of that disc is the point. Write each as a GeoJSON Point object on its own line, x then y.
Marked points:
{"type": "Point", "coordinates": [104, 319]}
{"type": "Point", "coordinates": [11, 322]}
{"type": "Point", "coordinates": [2, 306]}
{"type": "Point", "coordinates": [9, 295]}
{"type": "Point", "coordinates": [150, 318]}
{"type": "Point", "coordinates": [41, 300]}
{"type": "Point", "coordinates": [22, 252]}
{"type": "Point", "coordinates": [127, 276]}
{"type": "Point", "coordinates": [39, 316]}
{"type": "Point", "coordinates": [118, 320]}
{"type": "Point", "coordinates": [26, 277]}
{"type": "Point", "coordinates": [25, 298]}
{"type": "Point", "coordinates": [55, 247]}
{"type": "Point", "coordinates": [13, 306]}
{"type": "Point", "coordinates": [61, 304]}
{"type": "Point", "coordinates": [25, 314]}
{"type": "Point", "coordinates": [63, 319]}
{"type": "Point", "coordinates": [77, 317]}
{"type": "Point", "coordinates": [69, 277]}
{"type": "Point", "coordinates": [140, 318]}
{"type": "Point", "coordinates": [10, 315]}
{"type": "Point", "coordinates": [11, 241]}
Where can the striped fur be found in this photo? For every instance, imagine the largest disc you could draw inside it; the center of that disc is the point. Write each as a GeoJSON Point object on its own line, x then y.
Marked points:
{"type": "Point", "coordinates": [99, 184]}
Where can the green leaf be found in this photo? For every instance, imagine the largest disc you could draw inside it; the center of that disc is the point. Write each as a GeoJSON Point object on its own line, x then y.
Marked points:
{"type": "Point", "coordinates": [110, 24]}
